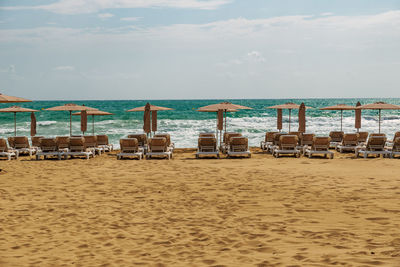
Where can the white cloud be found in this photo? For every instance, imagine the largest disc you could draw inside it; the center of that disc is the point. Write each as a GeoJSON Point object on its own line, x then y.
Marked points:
{"type": "Point", "coordinates": [255, 56]}
{"type": "Point", "coordinates": [105, 15]}
{"type": "Point", "coordinates": [10, 69]}
{"type": "Point", "coordinates": [64, 68]}
{"type": "Point", "coordinates": [131, 18]}
{"type": "Point", "coordinates": [92, 6]}
{"type": "Point", "coordinates": [327, 14]}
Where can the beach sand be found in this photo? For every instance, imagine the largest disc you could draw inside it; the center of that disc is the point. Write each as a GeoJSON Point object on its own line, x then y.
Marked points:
{"type": "Point", "coordinates": [186, 212]}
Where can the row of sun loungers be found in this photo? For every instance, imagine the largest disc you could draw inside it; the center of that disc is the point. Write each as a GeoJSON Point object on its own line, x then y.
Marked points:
{"type": "Point", "coordinates": [60, 147]}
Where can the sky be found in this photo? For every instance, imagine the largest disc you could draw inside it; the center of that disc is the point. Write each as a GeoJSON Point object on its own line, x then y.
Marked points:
{"type": "Point", "coordinates": [199, 49]}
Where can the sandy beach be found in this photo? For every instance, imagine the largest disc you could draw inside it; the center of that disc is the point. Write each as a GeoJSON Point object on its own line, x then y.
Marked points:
{"type": "Point", "coordinates": [261, 211]}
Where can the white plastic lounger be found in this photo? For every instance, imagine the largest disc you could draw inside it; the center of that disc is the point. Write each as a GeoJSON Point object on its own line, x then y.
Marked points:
{"type": "Point", "coordinates": [158, 147]}
{"type": "Point", "coordinates": [268, 141]}
{"type": "Point", "coordinates": [395, 150]}
{"type": "Point", "coordinates": [102, 141]}
{"type": "Point", "coordinates": [7, 151]}
{"type": "Point", "coordinates": [349, 143]}
{"type": "Point", "coordinates": [21, 144]}
{"type": "Point", "coordinates": [77, 148]}
{"type": "Point", "coordinates": [48, 148]}
{"type": "Point", "coordinates": [336, 138]}
{"type": "Point", "coordinates": [287, 145]}
{"type": "Point", "coordinates": [375, 146]}
{"type": "Point", "coordinates": [320, 146]}
{"type": "Point", "coordinates": [130, 148]}
{"type": "Point", "coordinates": [207, 146]}
{"type": "Point", "coordinates": [238, 146]}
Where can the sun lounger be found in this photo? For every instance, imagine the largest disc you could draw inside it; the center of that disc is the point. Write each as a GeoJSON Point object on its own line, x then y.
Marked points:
{"type": "Point", "coordinates": [142, 140]}
{"type": "Point", "coordinates": [168, 138]}
{"type": "Point", "coordinates": [207, 146]}
{"type": "Point", "coordinates": [362, 137]}
{"type": "Point", "coordinates": [35, 140]}
{"type": "Point", "coordinates": [336, 138]}
{"type": "Point", "coordinates": [207, 135]}
{"type": "Point", "coordinates": [268, 141]}
{"type": "Point", "coordinates": [287, 145]}
{"type": "Point", "coordinates": [62, 143]}
{"type": "Point", "coordinates": [374, 146]}
{"type": "Point", "coordinates": [276, 141]}
{"type": "Point", "coordinates": [349, 143]}
{"type": "Point", "coordinates": [238, 146]}
{"type": "Point", "coordinates": [77, 147]}
{"type": "Point", "coordinates": [395, 150]}
{"type": "Point", "coordinates": [391, 142]}
{"type": "Point", "coordinates": [158, 147]}
{"type": "Point", "coordinates": [91, 143]}
{"type": "Point", "coordinates": [130, 148]}
{"type": "Point", "coordinates": [6, 151]}
{"type": "Point", "coordinates": [102, 141]}
{"type": "Point", "coordinates": [320, 145]}
{"type": "Point", "coordinates": [226, 140]}
{"type": "Point", "coordinates": [21, 143]}
{"type": "Point", "coordinates": [48, 147]}
{"type": "Point", "coordinates": [306, 141]}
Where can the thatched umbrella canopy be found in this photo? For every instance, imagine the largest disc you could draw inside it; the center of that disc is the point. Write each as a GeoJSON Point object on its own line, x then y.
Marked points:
{"type": "Point", "coordinates": [12, 99]}
{"type": "Point", "coordinates": [379, 106]}
{"type": "Point", "coordinates": [70, 107]}
{"type": "Point", "coordinates": [340, 107]}
{"type": "Point", "coordinates": [15, 110]}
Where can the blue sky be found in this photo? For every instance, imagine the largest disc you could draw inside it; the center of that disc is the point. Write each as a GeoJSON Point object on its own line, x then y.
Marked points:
{"type": "Point", "coordinates": [190, 49]}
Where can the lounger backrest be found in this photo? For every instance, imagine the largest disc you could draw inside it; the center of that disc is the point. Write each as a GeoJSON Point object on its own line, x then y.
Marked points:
{"type": "Point", "coordinates": [102, 140]}
{"type": "Point", "coordinates": [36, 140]}
{"type": "Point", "coordinates": [377, 134]}
{"type": "Point", "coordinates": [129, 145]}
{"type": "Point", "coordinates": [307, 139]}
{"type": "Point", "coordinates": [350, 139]}
{"type": "Point", "coordinates": [239, 144]}
{"type": "Point", "coordinates": [228, 136]}
{"type": "Point", "coordinates": [269, 136]}
{"type": "Point", "coordinates": [288, 142]}
{"type": "Point", "coordinates": [336, 136]}
{"type": "Point", "coordinates": [166, 136]}
{"type": "Point", "coordinates": [396, 134]}
{"type": "Point", "coordinates": [21, 142]}
{"type": "Point", "coordinates": [11, 141]}
{"type": "Point", "coordinates": [376, 143]}
{"type": "Point", "coordinates": [3, 145]}
{"type": "Point", "coordinates": [62, 142]}
{"type": "Point", "coordinates": [321, 143]}
{"type": "Point", "coordinates": [142, 138]}
{"type": "Point", "coordinates": [77, 144]}
{"type": "Point", "coordinates": [362, 137]}
{"type": "Point", "coordinates": [207, 144]}
{"type": "Point", "coordinates": [158, 144]}
{"type": "Point", "coordinates": [48, 144]}
{"type": "Point", "coordinates": [396, 144]}
{"type": "Point", "coordinates": [298, 134]}
{"type": "Point", "coordinates": [90, 140]}
{"type": "Point", "coordinates": [277, 138]}
{"type": "Point", "coordinates": [206, 135]}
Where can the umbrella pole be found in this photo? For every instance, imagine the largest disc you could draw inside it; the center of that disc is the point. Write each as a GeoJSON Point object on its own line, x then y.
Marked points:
{"type": "Point", "coordinates": [290, 113]}
{"type": "Point", "coordinates": [93, 123]}
{"type": "Point", "coordinates": [15, 123]}
{"type": "Point", "coordinates": [70, 123]}
{"type": "Point", "coordinates": [379, 121]}
{"type": "Point", "coordinates": [341, 120]}
{"type": "Point", "coordinates": [225, 120]}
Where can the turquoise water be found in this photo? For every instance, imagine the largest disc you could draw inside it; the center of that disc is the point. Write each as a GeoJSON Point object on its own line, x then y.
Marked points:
{"type": "Point", "coordinates": [184, 122]}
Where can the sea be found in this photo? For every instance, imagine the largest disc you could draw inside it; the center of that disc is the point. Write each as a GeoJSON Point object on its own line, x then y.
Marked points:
{"type": "Point", "coordinates": [184, 122]}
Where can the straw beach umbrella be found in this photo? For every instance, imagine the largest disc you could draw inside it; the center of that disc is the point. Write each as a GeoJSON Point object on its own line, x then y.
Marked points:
{"type": "Point", "coordinates": [340, 107]}
{"type": "Point", "coordinates": [146, 119]}
{"type": "Point", "coordinates": [358, 117]}
{"type": "Point", "coordinates": [379, 106]}
{"type": "Point", "coordinates": [302, 118]}
{"type": "Point", "coordinates": [70, 107]}
{"type": "Point", "coordinates": [12, 99]}
{"type": "Point", "coordinates": [279, 119]}
{"type": "Point", "coordinates": [15, 110]}
{"type": "Point", "coordinates": [288, 106]}
{"type": "Point", "coordinates": [33, 124]}
{"type": "Point", "coordinates": [83, 121]}
{"type": "Point", "coordinates": [153, 110]}
{"type": "Point", "coordinates": [94, 113]}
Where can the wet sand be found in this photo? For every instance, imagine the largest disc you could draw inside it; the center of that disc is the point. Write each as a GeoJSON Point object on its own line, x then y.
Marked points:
{"type": "Point", "coordinates": [186, 212]}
